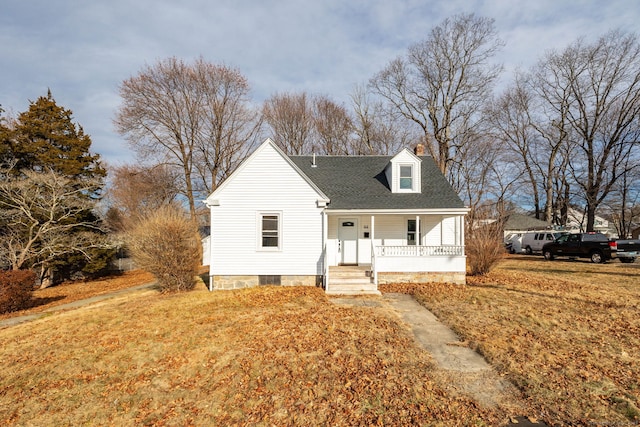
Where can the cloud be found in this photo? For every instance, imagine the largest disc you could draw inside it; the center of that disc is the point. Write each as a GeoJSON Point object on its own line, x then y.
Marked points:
{"type": "Point", "coordinates": [83, 50]}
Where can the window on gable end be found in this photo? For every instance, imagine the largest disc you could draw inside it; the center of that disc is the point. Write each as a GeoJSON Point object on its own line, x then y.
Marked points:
{"type": "Point", "coordinates": [406, 177]}
{"type": "Point", "coordinates": [269, 231]}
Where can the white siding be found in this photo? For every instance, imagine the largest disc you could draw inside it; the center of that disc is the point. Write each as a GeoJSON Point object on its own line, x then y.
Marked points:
{"type": "Point", "coordinates": [431, 230]}
{"type": "Point", "coordinates": [405, 157]}
{"type": "Point", "coordinates": [449, 230]}
{"type": "Point", "coordinates": [435, 264]}
{"type": "Point", "coordinates": [267, 183]}
{"type": "Point", "coordinates": [391, 230]}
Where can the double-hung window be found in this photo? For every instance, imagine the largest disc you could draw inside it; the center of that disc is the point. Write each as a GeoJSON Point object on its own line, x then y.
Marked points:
{"type": "Point", "coordinates": [411, 232]}
{"type": "Point", "coordinates": [406, 177]}
{"type": "Point", "coordinates": [270, 237]}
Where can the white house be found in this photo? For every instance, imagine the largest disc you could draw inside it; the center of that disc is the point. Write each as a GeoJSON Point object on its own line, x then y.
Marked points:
{"type": "Point", "coordinates": [346, 223]}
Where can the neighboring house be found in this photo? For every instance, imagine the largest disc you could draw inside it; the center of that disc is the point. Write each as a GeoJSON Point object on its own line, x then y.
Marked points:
{"type": "Point", "coordinates": [346, 223]}
{"type": "Point", "coordinates": [577, 223]}
{"type": "Point", "coordinates": [206, 250]}
{"type": "Point", "coordinates": [516, 223]}
{"type": "Point", "coordinates": [205, 239]}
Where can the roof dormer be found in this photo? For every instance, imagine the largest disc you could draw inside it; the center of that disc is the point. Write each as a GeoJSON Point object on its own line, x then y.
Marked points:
{"type": "Point", "coordinates": [403, 173]}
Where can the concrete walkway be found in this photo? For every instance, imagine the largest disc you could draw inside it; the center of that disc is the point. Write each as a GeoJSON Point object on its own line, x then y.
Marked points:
{"type": "Point", "coordinates": [462, 370]}
{"type": "Point", "coordinates": [443, 344]}
{"type": "Point", "coordinates": [468, 372]}
{"type": "Point", "coordinates": [75, 304]}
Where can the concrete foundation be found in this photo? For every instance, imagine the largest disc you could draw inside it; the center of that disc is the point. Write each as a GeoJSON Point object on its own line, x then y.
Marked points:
{"type": "Point", "coordinates": [422, 277]}
{"type": "Point", "coordinates": [240, 282]}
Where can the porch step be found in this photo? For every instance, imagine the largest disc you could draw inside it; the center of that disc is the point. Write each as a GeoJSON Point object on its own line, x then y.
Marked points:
{"type": "Point", "coordinates": [351, 280]}
{"type": "Point", "coordinates": [347, 271]}
{"type": "Point", "coordinates": [353, 289]}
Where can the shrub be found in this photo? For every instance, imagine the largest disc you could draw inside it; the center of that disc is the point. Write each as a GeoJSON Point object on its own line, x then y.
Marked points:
{"type": "Point", "coordinates": [16, 287]}
{"type": "Point", "coordinates": [167, 244]}
{"type": "Point", "coordinates": [484, 248]}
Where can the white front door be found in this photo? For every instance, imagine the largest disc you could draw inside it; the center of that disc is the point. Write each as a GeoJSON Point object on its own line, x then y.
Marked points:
{"type": "Point", "coordinates": [348, 240]}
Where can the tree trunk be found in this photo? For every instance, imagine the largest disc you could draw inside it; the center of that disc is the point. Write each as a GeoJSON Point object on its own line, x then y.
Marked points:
{"type": "Point", "coordinates": [46, 277]}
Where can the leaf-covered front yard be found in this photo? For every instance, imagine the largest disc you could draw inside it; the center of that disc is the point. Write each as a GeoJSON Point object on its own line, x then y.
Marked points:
{"type": "Point", "coordinates": [567, 334]}
{"type": "Point", "coordinates": [264, 356]}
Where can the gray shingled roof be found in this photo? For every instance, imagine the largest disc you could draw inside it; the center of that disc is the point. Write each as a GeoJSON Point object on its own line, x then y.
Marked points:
{"type": "Point", "coordinates": [359, 182]}
{"type": "Point", "coordinates": [517, 221]}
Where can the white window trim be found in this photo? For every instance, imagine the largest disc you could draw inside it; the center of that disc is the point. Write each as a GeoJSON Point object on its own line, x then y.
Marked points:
{"type": "Point", "coordinates": [413, 178]}
{"type": "Point", "coordinates": [259, 246]}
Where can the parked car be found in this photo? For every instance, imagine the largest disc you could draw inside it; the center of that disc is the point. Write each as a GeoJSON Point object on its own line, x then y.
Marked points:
{"type": "Point", "coordinates": [595, 246]}
{"type": "Point", "coordinates": [533, 241]}
{"type": "Point", "coordinates": [628, 250]}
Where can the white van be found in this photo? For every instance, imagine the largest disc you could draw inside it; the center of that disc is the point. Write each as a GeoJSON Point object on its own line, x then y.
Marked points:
{"type": "Point", "coordinates": [533, 241]}
{"type": "Point", "coordinates": [513, 243]}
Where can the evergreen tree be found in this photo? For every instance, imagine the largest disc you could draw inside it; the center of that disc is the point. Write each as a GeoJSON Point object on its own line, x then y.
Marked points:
{"type": "Point", "coordinates": [5, 138]}
{"type": "Point", "coordinates": [47, 138]}
{"type": "Point", "coordinates": [44, 140]}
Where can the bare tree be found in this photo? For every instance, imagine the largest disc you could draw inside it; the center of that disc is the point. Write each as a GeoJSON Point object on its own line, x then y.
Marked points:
{"type": "Point", "coordinates": [550, 118]}
{"type": "Point", "coordinates": [509, 117]}
{"type": "Point", "coordinates": [377, 128]}
{"type": "Point", "coordinates": [195, 117]}
{"type": "Point", "coordinates": [442, 82]}
{"type": "Point", "coordinates": [623, 202]}
{"type": "Point", "coordinates": [477, 179]}
{"type": "Point", "coordinates": [41, 220]}
{"type": "Point", "coordinates": [605, 105]}
{"type": "Point", "coordinates": [333, 127]}
{"type": "Point", "coordinates": [230, 125]}
{"type": "Point", "coordinates": [136, 191]}
{"type": "Point", "coordinates": [290, 121]}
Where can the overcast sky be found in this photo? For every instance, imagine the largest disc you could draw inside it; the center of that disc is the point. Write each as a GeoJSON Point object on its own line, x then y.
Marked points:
{"type": "Point", "coordinates": [82, 50]}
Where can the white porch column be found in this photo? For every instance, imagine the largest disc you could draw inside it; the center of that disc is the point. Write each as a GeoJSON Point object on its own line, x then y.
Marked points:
{"type": "Point", "coordinates": [418, 236]}
{"type": "Point", "coordinates": [373, 250]}
{"type": "Point", "coordinates": [325, 237]}
{"type": "Point", "coordinates": [373, 234]}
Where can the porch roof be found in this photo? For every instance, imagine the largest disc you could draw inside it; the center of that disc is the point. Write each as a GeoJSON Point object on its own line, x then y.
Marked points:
{"type": "Point", "coordinates": [359, 182]}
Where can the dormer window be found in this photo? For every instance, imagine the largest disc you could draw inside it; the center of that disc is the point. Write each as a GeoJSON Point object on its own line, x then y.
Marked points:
{"type": "Point", "coordinates": [406, 177]}
{"type": "Point", "coordinates": [403, 173]}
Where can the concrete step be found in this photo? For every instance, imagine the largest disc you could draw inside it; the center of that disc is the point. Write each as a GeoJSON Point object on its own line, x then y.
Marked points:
{"type": "Point", "coordinates": [349, 268]}
{"type": "Point", "coordinates": [350, 289]}
{"type": "Point", "coordinates": [351, 280]}
{"type": "Point", "coordinates": [348, 275]}
{"type": "Point", "coordinates": [355, 280]}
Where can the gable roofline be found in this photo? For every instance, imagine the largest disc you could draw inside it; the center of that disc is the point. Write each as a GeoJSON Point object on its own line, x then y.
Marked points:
{"type": "Point", "coordinates": [361, 182]}
{"type": "Point", "coordinates": [267, 142]}
{"type": "Point", "coordinates": [411, 153]}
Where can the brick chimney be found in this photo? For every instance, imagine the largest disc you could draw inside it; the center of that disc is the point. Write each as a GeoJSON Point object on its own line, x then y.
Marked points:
{"type": "Point", "coordinates": [419, 150]}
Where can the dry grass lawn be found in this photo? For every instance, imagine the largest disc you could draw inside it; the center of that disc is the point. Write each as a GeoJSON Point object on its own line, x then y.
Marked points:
{"type": "Point", "coordinates": [44, 299]}
{"type": "Point", "coordinates": [567, 333]}
{"type": "Point", "coordinates": [262, 356]}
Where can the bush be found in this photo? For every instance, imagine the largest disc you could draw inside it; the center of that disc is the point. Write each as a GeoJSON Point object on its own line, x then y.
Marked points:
{"type": "Point", "coordinates": [16, 287]}
{"type": "Point", "coordinates": [484, 248]}
{"type": "Point", "coordinates": [167, 244]}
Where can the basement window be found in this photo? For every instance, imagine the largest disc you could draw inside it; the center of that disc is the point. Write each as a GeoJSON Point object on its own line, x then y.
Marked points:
{"type": "Point", "coordinates": [269, 280]}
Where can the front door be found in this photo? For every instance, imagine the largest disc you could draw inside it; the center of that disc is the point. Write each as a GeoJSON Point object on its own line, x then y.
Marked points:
{"type": "Point", "coordinates": [348, 240]}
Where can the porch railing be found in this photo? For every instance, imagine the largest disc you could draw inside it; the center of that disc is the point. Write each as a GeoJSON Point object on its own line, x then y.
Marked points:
{"type": "Point", "coordinates": [418, 251]}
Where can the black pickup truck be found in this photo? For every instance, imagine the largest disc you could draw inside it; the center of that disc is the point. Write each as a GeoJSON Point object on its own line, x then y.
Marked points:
{"type": "Point", "coordinates": [628, 250]}
{"type": "Point", "coordinates": [595, 246]}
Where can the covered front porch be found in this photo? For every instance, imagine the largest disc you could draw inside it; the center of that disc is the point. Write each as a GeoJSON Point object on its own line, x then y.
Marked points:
{"type": "Point", "coordinates": [411, 246]}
